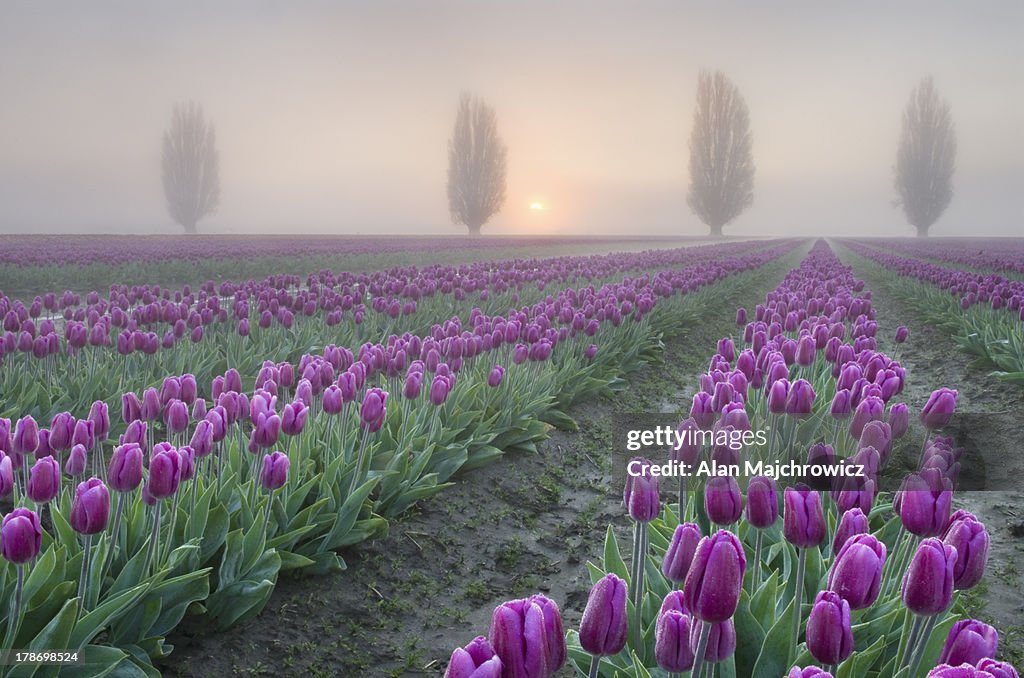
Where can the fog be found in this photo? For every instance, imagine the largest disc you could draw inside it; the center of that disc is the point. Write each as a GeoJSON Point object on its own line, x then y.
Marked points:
{"type": "Point", "coordinates": [334, 117]}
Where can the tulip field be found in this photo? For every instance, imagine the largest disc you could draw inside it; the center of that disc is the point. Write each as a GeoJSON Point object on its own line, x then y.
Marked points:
{"type": "Point", "coordinates": [348, 457]}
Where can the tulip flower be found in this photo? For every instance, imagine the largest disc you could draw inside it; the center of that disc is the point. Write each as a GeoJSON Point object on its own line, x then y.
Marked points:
{"type": "Point", "coordinates": [803, 525]}
{"type": "Point", "coordinates": [604, 627]}
{"type": "Point", "coordinates": [927, 591]}
{"type": "Point", "coordinates": [809, 672]}
{"type": "Point", "coordinates": [476, 660]}
{"type": "Point", "coordinates": [202, 438]}
{"type": "Point", "coordinates": [856, 572]}
{"type": "Point", "coordinates": [44, 480]}
{"type": "Point", "coordinates": [62, 426]}
{"type": "Point", "coordinates": [969, 641]}
{"type": "Point", "coordinates": [800, 399]}
{"type": "Point", "coordinates": [939, 409]}
{"type": "Point", "coordinates": [75, 465]}
{"type": "Point", "coordinates": [293, 418]}
{"type": "Point", "coordinates": [274, 472]}
{"type": "Point", "coordinates": [829, 630]}
{"type": "Point", "coordinates": [970, 538]}
{"type": "Point", "coordinates": [899, 419]}
{"type": "Point", "coordinates": [21, 536]}
{"type": "Point", "coordinates": [926, 500]}
{"type": "Point", "coordinates": [176, 416]}
{"type": "Point", "coordinates": [520, 638]}
{"type": "Point", "coordinates": [373, 409]}
{"type": "Point", "coordinates": [853, 522]}
{"type": "Point", "coordinates": [496, 375]}
{"type": "Point", "coordinates": [713, 584]}
{"type": "Point", "coordinates": [100, 417]}
{"type": "Point", "coordinates": [26, 437]}
{"type": "Point", "coordinates": [672, 641]}
{"type": "Point", "coordinates": [6, 474]}
{"type": "Point", "coordinates": [680, 552]}
{"type": "Point", "coordinates": [996, 669]}
{"type": "Point", "coordinates": [901, 334]}
{"type": "Point", "coordinates": [962, 671]}
{"type": "Point", "coordinates": [723, 502]}
{"type": "Point", "coordinates": [721, 642]}
{"type": "Point", "coordinates": [90, 508]}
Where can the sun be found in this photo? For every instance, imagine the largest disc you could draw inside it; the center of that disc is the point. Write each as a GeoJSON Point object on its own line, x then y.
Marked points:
{"type": "Point", "coordinates": [537, 206]}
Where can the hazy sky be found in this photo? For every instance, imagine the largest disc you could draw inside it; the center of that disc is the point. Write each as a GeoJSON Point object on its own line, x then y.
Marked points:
{"type": "Point", "coordinates": [335, 116]}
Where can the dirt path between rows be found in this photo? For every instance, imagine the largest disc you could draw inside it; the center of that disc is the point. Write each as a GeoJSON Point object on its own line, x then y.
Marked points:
{"type": "Point", "coordinates": [526, 524]}
{"type": "Point", "coordinates": [933, 361]}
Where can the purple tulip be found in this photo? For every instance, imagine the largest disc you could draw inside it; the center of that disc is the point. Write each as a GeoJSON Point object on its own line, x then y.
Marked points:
{"type": "Point", "coordinates": [901, 334]}
{"type": "Point", "coordinates": [26, 437]}
{"type": "Point", "coordinates": [644, 500]}
{"type": "Point", "coordinates": [723, 502]}
{"type": "Point", "coordinates": [689, 448]}
{"type": "Point", "coordinates": [21, 536]}
{"type": "Point", "coordinates": [969, 641]}
{"type": "Point", "coordinates": [520, 638]}
{"type": "Point", "coordinates": [496, 375]}
{"type": "Point", "coordinates": [809, 672]}
{"type": "Point", "coordinates": [99, 415]}
{"type": "Point", "coordinates": [151, 405]}
{"type": "Point", "coordinates": [90, 508]}
{"type": "Point", "coordinates": [131, 407]}
{"type": "Point", "coordinates": [803, 521]}
{"type": "Point", "coordinates": [62, 426]}
{"type": "Point", "coordinates": [6, 474]}
{"type": "Point", "coordinates": [926, 500]}
{"type": "Point", "coordinates": [856, 573]}
{"type": "Point", "coordinates": [701, 410]}
{"type": "Point", "coordinates": [76, 462]}
{"type": "Point", "coordinates": [721, 641]}
{"type": "Point", "coordinates": [762, 502]}
{"type": "Point", "coordinates": [970, 538]}
{"type": "Point", "coordinates": [680, 552]}
{"type": "Point", "coordinates": [274, 473]}
{"type": "Point", "coordinates": [939, 409]}
{"type": "Point", "coordinates": [713, 584]}
{"type": "Point", "coordinates": [176, 416]}
{"type": "Point", "coordinates": [202, 438]}
{"type": "Point", "coordinates": [332, 399]}
{"type": "Point", "coordinates": [125, 470]}
{"type": "Point", "coordinates": [44, 480]}
{"type": "Point", "coordinates": [164, 473]}
{"type": "Point", "coordinates": [603, 628]}
{"type": "Point", "coordinates": [962, 671]}
{"type": "Point", "coordinates": [928, 583]}
{"type": "Point", "coordinates": [293, 418]}
{"type": "Point", "coordinates": [853, 522]}
{"type": "Point", "coordinates": [672, 641]}
{"type": "Point", "coordinates": [374, 409]}
{"type": "Point", "coordinates": [841, 406]}
{"type": "Point", "coordinates": [870, 408]}
{"type": "Point", "coordinates": [476, 660]}
{"type": "Point", "coordinates": [829, 630]}
{"type": "Point", "coordinates": [996, 669]}
{"type": "Point", "coordinates": [778, 394]}
{"type": "Point", "coordinates": [899, 419]}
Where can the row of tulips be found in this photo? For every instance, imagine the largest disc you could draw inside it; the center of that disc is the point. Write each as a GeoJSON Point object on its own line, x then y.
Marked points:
{"type": "Point", "coordinates": [196, 499]}
{"type": "Point", "coordinates": [848, 585]}
{"type": "Point", "coordinates": [280, 317]}
{"type": "Point", "coordinates": [983, 312]}
{"type": "Point", "coordinates": [1004, 255]}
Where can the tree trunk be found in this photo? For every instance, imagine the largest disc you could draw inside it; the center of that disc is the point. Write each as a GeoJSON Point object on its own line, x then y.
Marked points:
{"type": "Point", "coordinates": [922, 231]}
{"type": "Point", "coordinates": [716, 230]}
{"type": "Point", "coordinates": [474, 229]}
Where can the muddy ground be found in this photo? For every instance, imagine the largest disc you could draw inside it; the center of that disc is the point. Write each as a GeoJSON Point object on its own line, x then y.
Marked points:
{"type": "Point", "coordinates": [529, 523]}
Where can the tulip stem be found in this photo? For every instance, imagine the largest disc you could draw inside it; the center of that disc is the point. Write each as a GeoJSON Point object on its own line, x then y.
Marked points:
{"type": "Point", "coordinates": [755, 576]}
{"type": "Point", "coordinates": [922, 643]}
{"type": "Point", "coordinates": [154, 536]}
{"type": "Point", "coordinates": [638, 602]}
{"type": "Point", "coordinates": [632, 562]}
{"type": "Point", "coordinates": [683, 504]}
{"type": "Point", "coordinates": [115, 536]}
{"type": "Point", "coordinates": [266, 518]}
{"type": "Point", "coordinates": [358, 471]}
{"type": "Point", "coordinates": [893, 560]}
{"type": "Point", "coordinates": [911, 646]}
{"type": "Point", "coordinates": [163, 556]}
{"type": "Point", "coordinates": [801, 567]}
{"type": "Point", "coordinates": [702, 646]}
{"type": "Point", "coordinates": [82, 587]}
{"type": "Point", "coordinates": [595, 664]}
{"type": "Point", "coordinates": [924, 448]}
{"type": "Point", "coordinates": [14, 621]}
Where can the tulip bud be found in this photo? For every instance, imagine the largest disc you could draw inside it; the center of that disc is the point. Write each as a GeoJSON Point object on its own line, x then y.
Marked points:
{"type": "Point", "coordinates": [809, 672]}
{"type": "Point", "coordinates": [75, 465]}
{"type": "Point", "coordinates": [150, 409]}
{"type": "Point", "coordinates": [713, 584]}
{"type": "Point", "coordinates": [939, 409]}
{"type": "Point", "coordinates": [293, 418]}
{"type": "Point", "coordinates": [21, 536]}
{"type": "Point", "coordinates": [926, 500]}
{"type": "Point", "coordinates": [853, 522]}
{"type": "Point", "coordinates": [721, 641]}
{"type": "Point", "coordinates": [762, 502]}
{"type": "Point", "coordinates": [496, 375]}
{"type": "Point", "coordinates": [373, 409]}
{"type": "Point", "coordinates": [62, 427]}
{"type": "Point", "coordinates": [519, 633]}
{"type": "Point", "coordinates": [672, 641]}
{"type": "Point", "coordinates": [131, 407]}
{"type": "Point", "coordinates": [868, 409]}
{"type": "Point", "coordinates": [476, 660]}
{"type": "Point", "coordinates": [6, 474]}
{"type": "Point", "coordinates": [962, 671]}
{"type": "Point", "coordinates": [100, 417]}
{"type": "Point", "coordinates": [803, 521]}
{"type": "Point", "coordinates": [829, 630]}
{"type": "Point", "coordinates": [44, 480]}
{"type": "Point", "coordinates": [125, 470]}
{"type": "Point", "coordinates": [680, 552]}
{"type": "Point", "coordinates": [969, 641]}
{"type": "Point", "coordinates": [971, 540]}
{"type": "Point", "coordinates": [996, 669]}
{"type": "Point", "coordinates": [90, 508]}
{"type": "Point", "coordinates": [689, 447]}
{"type": "Point", "coordinates": [164, 473]}
{"type": "Point", "coordinates": [928, 583]}
{"type": "Point", "coordinates": [899, 419]}
{"type": "Point", "coordinates": [202, 438]}
{"type": "Point", "coordinates": [723, 502]}
{"type": "Point", "coordinates": [841, 406]}
{"type": "Point", "coordinates": [901, 334]}
{"type": "Point", "coordinates": [604, 627]}
{"type": "Point", "coordinates": [26, 436]}
{"type": "Point", "coordinates": [856, 573]}
{"type": "Point", "coordinates": [274, 473]}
